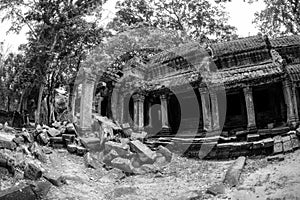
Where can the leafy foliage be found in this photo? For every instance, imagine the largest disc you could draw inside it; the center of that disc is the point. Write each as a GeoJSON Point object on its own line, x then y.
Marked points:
{"type": "Point", "coordinates": [198, 19]}
{"type": "Point", "coordinates": [279, 18]}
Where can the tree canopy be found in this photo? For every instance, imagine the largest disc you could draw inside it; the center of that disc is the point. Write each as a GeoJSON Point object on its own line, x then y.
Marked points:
{"type": "Point", "coordinates": [198, 19]}
{"type": "Point", "coordinates": [279, 18]}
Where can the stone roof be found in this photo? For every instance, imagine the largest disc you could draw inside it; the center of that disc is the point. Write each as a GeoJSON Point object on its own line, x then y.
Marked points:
{"type": "Point", "coordinates": [244, 74]}
{"type": "Point", "coordinates": [294, 72]}
{"type": "Point", "coordinates": [291, 40]}
{"type": "Point", "coordinates": [238, 46]}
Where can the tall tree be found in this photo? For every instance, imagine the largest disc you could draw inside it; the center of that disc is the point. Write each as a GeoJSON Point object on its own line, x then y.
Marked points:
{"type": "Point", "coordinates": [58, 32]}
{"type": "Point", "coordinates": [196, 18]}
{"type": "Point", "coordinates": [279, 17]}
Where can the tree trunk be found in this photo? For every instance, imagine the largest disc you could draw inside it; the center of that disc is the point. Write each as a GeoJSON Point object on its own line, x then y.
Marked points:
{"type": "Point", "coordinates": [21, 101]}
{"type": "Point", "coordinates": [38, 111]}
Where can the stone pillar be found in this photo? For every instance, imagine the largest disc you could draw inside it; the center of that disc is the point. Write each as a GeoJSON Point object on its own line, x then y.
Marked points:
{"type": "Point", "coordinates": [206, 109]}
{"type": "Point", "coordinates": [135, 111]}
{"type": "Point", "coordinates": [295, 104]}
{"type": "Point", "coordinates": [114, 101]}
{"type": "Point", "coordinates": [250, 108]}
{"type": "Point", "coordinates": [150, 113]}
{"type": "Point", "coordinates": [287, 91]}
{"type": "Point", "coordinates": [164, 111]}
{"type": "Point", "coordinates": [100, 99]}
{"type": "Point", "coordinates": [141, 112]}
{"type": "Point", "coordinates": [121, 108]}
{"type": "Point", "coordinates": [88, 81]}
{"type": "Point", "coordinates": [215, 110]}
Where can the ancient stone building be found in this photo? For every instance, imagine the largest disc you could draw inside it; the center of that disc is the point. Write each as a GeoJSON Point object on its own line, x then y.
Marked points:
{"type": "Point", "coordinates": [246, 84]}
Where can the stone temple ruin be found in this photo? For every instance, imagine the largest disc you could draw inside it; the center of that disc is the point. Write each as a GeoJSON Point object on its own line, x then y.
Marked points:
{"type": "Point", "coordinates": [240, 94]}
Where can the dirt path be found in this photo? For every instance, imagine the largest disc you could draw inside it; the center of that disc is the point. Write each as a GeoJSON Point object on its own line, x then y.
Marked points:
{"type": "Point", "coordinates": [182, 179]}
{"type": "Point", "coordinates": [277, 180]}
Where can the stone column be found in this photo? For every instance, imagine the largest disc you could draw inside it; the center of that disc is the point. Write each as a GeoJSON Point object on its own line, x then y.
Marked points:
{"type": "Point", "coordinates": [114, 101]}
{"type": "Point", "coordinates": [121, 108]}
{"type": "Point", "coordinates": [135, 111]}
{"type": "Point", "coordinates": [215, 110]}
{"type": "Point", "coordinates": [150, 113]}
{"type": "Point", "coordinates": [164, 111]}
{"type": "Point", "coordinates": [250, 108]}
{"type": "Point", "coordinates": [100, 99]}
{"type": "Point", "coordinates": [206, 109]}
{"type": "Point", "coordinates": [86, 101]}
{"type": "Point", "coordinates": [287, 91]}
{"type": "Point", "coordinates": [141, 112]}
{"type": "Point", "coordinates": [295, 104]}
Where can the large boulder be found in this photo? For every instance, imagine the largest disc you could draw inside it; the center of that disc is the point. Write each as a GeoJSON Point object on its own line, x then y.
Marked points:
{"type": "Point", "coordinates": [233, 174]}
{"type": "Point", "coordinates": [121, 148]}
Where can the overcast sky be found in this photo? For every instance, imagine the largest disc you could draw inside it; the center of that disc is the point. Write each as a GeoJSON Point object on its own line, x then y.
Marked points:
{"type": "Point", "coordinates": [241, 16]}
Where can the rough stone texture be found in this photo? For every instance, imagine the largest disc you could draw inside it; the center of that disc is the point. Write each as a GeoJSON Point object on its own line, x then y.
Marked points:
{"type": "Point", "coordinates": [122, 164]}
{"type": "Point", "coordinates": [72, 148]}
{"type": "Point", "coordinates": [110, 156]}
{"type": "Point", "coordinates": [216, 189]}
{"type": "Point", "coordinates": [295, 141]}
{"type": "Point", "coordinates": [56, 140]}
{"type": "Point", "coordinates": [139, 147]}
{"type": "Point", "coordinates": [53, 132]}
{"type": "Point", "coordinates": [165, 152]}
{"type": "Point", "coordinates": [233, 174]}
{"type": "Point", "coordinates": [91, 143]}
{"type": "Point", "coordinates": [70, 129]}
{"type": "Point", "coordinates": [121, 148]}
{"type": "Point", "coordinates": [38, 153]}
{"type": "Point", "coordinates": [269, 142]}
{"type": "Point", "coordinates": [19, 140]}
{"type": "Point", "coordinates": [7, 144]}
{"type": "Point", "coordinates": [275, 158]}
{"type": "Point", "coordinates": [91, 162]}
{"type": "Point", "coordinates": [55, 178]}
{"type": "Point", "coordinates": [287, 144]}
{"type": "Point", "coordinates": [278, 148]}
{"type": "Point", "coordinates": [41, 188]}
{"type": "Point", "coordinates": [32, 171]}
{"type": "Point", "coordinates": [18, 192]}
{"type": "Point", "coordinates": [81, 151]}
{"type": "Point", "coordinates": [252, 137]}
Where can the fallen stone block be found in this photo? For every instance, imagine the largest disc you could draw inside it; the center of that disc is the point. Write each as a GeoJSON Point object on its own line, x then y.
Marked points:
{"type": "Point", "coordinates": [165, 152]}
{"type": "Point", "coordinates": [139, 147]}
{"type": "Point", "coordinates": [138, 136]}
{"type": "Point", "coordinates": [32, 171]}
{"type": "Point", "coordinates": [269, 142]}
{"type": "Point", "coordinates": [147, 169]}
{"type": "Point", "coordinates": [122, 164]}
{"type": "Point", "coordinates": [38, 153]}
{"type": "Point", "coordinates": [275, 158]}
{"type": "Point", "coordinates": [72, 148]}
{"type": "Point", "coordinates": [56, 140]}
{"type": "Point", "coordinates": [70, 129]}
{"type": "Point", "coordinates": [43, 138]}
{"type": "Point", "coordinates": [53, 132]}
{"type": "Point", "coordinates": [252, 137]}
{"type": "Point", "coordinates": [81, 151]}
{"type": "Point", "coordinates": [91, 162]}
{"type": "Point", "coordinates": [58, 146]}
{"type": "Point", "coordinates": [41, 188]}
{"type": "Point", "coordinates": [55, 178]}
{"type": "Point", "coordinates": [8, 162]}
{"type": "Point", "coordinates": [121, 149]}
{"type": "Point", "coordinates": [19, 140]}
{"type": "Point", "coordinates": [91, 143]}
{"type": "Point", "coordinates": [18, 192]}
{"type": "Point", "coordinates": [216, 189]}
{"type": "Point", "coordinates": [110, 156]}
{"type": "Point", "coordinates": [7, 144]}
{"type": "Point", "coordinates": [233, 174]}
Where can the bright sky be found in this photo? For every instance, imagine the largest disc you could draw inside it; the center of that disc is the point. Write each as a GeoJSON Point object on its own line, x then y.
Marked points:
{"type": "Point", "coordinates": [241, 15]}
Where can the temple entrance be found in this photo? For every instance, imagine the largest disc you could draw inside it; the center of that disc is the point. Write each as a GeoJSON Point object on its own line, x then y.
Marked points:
{"type": "Point", "coordinates": [191, 119]}
{"type": "Point", "coordinates": [269, 104]}
{"type": "Point", "coordinates": [236, 113]}
{"type": "Point", "coordinates": [174, 113]}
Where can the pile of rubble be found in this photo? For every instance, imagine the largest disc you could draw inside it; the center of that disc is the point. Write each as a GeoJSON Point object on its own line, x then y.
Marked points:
{"type": "Point", "coordinates": [23, 153]}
